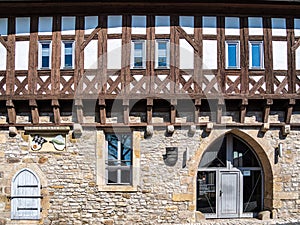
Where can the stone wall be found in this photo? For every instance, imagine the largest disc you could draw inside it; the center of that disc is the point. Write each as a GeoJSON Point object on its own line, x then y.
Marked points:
{"type": "Point", "coordinates": [166, 194]}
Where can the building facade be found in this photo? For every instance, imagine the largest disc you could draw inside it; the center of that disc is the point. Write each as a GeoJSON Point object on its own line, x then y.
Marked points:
{"type": "Point", "coordinates": [148, 113]}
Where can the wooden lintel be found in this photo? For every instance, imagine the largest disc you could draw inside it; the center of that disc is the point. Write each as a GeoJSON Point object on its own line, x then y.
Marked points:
{"type": "Point", "coordinates": [35, 114]}
{"type": "Point", "coordinates": [90, 37]}
{"type": "Point", "coordinates": [296, 45]}
{"type": "Point", "coordinates": [192, 42]}
{"type": "Point", "coordinates": [3, 42]}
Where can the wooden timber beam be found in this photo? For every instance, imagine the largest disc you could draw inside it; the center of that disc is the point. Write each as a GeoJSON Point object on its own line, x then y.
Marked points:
{"type": "Point", "coordinates": [267, 110]}
{"type": "Point", "coordinates": [243, 110]}
{"type": "Point", "coordinates": [56, 111]}
{"type": "Point", "coordinates": [34, 111]}
{"type": "Point", "coordinates": [3, 42]}
{"type": "Point", "coordinates": [102, 109]}
{"type": "Point", "coordinates": [289, 111]}
{"type": "Point", "coordinates": [296, 45]}
{"type": "Point", "coordinates": [90, 37]}
{"type": "Point", "coordinates": [192, 42]}
{"type": "Point", "coordinates": [126, 111]}
{"type": "Point", "coordinates": [79, 110]}
{"type": "Point", "coordinates": [197, 110]}
{"type": "Point", "coordinates": [11, 112]}
{"type": "Point", "coordinates": [173, 110]}
{"type": "Point", "coordinates": [149, 110]}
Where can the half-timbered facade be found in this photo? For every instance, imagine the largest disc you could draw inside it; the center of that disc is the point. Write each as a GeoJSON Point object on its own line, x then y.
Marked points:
{"type": "Point", "coordinates": [141, 112]}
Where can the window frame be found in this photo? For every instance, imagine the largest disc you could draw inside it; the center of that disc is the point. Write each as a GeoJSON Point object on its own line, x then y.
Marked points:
{"type": "Point", "coordinates": [157, 41]}
{"type": "Point", "coordinates": [63, 54]}
{"type": "Point", "coordinates": [237, 54]}
{"type": "Point", "coordinates": [119, 167]}
{"type": "Point", "coordinates": [40, 55]}
{"type": "Point", "coordinates": [101, 166]}
{"type": "Point", "coordinates": [132, 60]}
{"type": "Point", "coordinates": [261, 55]}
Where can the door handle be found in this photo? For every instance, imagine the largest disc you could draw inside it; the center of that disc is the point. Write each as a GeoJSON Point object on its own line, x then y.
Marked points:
{"type": "Point", "coordinates": [221, 192]}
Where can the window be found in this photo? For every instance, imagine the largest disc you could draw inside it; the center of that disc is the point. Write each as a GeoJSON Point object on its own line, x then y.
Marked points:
{"type": "Point", "coordinates": [162, 54]}
{"type": "Point", "coordinates": [118, 161]}
{"type": "Point", "coordinates": [119, 158]}
{"type": "Point", "coordinates": [22, 25]}
{"type": "Point", "coordinates": [45, 55]}
{"type": "Point", "coordinates": [232, 54]}
{"type": "Point", "coordinates": [25, 196]}
{"type": "Point", "coordinates": [138, 55]}
{"type": "Point", "coordinates": [67, 57]}
{"type": "Point", "coordinates": [256, 54]}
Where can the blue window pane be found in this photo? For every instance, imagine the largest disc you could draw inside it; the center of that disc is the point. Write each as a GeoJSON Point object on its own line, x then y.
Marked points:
{"type": "Point", "coordinates": [232, 55]}
{"type": "Point", "coordinates": [138, 46]}
{"type": "Point", "coordinates": [162, 61]}
{"type": "Point", "coordinates": [68, 54]}
{"type": "Point", "coordinates": [256, 55]}
{"type": "Point", "coordinates": [162, 45]}
{"type": "Point", "coordinates": [138, 61]}
{"type": "Point", "coordinates": [126, 149]}
{"type": "Point", "coordinates": [45, 55]}
{"type": "Point", "coordinates": [45, 61]}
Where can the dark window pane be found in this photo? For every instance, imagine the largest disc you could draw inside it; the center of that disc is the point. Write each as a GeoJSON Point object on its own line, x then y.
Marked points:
{"type": "Point", "coordinates": [68, 60]}
{"type": "Point", "coordinates": [232, 56]}
{"type": "Point", "coordinates": [206, 187]}
{"type": "Point", "coordinates": [138, 61]}
{"type": "Point", "coordinates": [112, 177]}
{"type": "Point", "coordinates": [45, 61]}
{"type": "Point", "coordinates": [252, 191]}
{"type": "Point", "coordinates": [256, 55]}
{"type": "Point", "coordinates": [138, 46]}
{"type": "Point", "coordinates": [126, 149]}
{"type": "Point", "coordinates": [126, 176]}
{"type": "Point", "coordinates": [162, 61]}
{"type": "Point", "coordinates": [112, 145]}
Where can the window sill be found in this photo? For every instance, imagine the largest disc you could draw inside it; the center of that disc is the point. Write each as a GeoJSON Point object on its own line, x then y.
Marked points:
{"type": "Point", "coordinates": [122, 188]}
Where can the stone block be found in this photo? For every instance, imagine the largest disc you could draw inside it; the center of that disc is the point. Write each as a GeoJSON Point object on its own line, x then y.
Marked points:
{"type": "Point", "coordinates": [3, 138]}
{"type": "Point", "coordinates": [108, 222]}
{"type": "Point", "coordinates": [192, 129]}
{"type": "Point", "coordinates": [209, 127]}
{"type": "Point", "coordinates": [286, 129]}
{"type": "Point", "coordinates": [149, 130]}
{"type": "Point", "coordinates": [77, 130]}
{"type": "Point", "coordinates": [226, 119]}
{"type": "Point", "coordinates": [66, 119]}
{"type": "Point", "coordinates": [22, 119]}
{"type": "Point", "coordinates": [134, 119]}
{"type": "Point", "coordinates": [170, 129]}
{"type": "Point", "coordinates": [203, 119]}
{"type": "Point", "coordinates": [250, 119]}
{"type": "Point", "coordinates": [111, 119]}
{"type": "Point", "coordinates": [89, 119]}
{"type": "Point", "coordinates": [273, 119]}
{"type": "Point", "coordinates": [274, 214]}
{"type": "Point", "coordinates": [44, 119]}
{"type": "Point", "coordinates": [199, 216]}
{"type": "Point", "coordinates": [3, 119]}
{"type": "Point", "coordinates": [12, 131]}
{"type": "Point", "coordinates": [180, 120]}
{"type": "Point", "coordinates": [157, 120]}
{"type": "Point", "coordinates": [172, 208]}
{"type": "Point", "coordinates": [182, 197]}
{"type": "Point", "coordinates": [264, 215]}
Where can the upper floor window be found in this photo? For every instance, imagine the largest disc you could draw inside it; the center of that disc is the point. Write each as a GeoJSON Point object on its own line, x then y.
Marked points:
{"type": "Point", "coordinates": [138, 55]}
{"type": "Point", "coordinates": [232, 54]}
{"type": "Point", "coordinates": [22, 25]}
{"type": "Point", "coordinates": [45, 25]}
{"type": "Point", "coordinates": [3, 26]}
{"type": "Point", "coordinates": [118, 158]}
{"type": "Point", "coordinates": [44, 55]}
{"type": "Point", "coordinates": [68, 55]}
{"type": "Point", "coordinates": [256, 54]}
{"type": "Point", "coordinates": [25, 196]}
{"type": "Point", "coordinates": [162, 54]}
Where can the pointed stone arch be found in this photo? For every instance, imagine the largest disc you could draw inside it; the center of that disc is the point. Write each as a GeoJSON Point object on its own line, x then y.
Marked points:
{"type": "Point", "coordinates": [263, 150]}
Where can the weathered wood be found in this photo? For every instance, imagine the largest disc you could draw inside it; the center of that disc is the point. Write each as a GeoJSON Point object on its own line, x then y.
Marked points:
{"type": "Point", "coordinates": [291, 55]}
{"type": "Point", "coordinates": [174, 55]}
{"type": "Point", "coordinates": [173, 110]}
{"type": "Point", "coordinates": [244, 55]}
{"type": "Point", "coordinates": [56, 111]}
{"type": "Point", "coordinates": [33, 56]}
{"type": "Point", "coordinates": [268, 57]}
{"type": "Point", "coordinates": [79, 54]}
{"type": "Point", "coordinates": [149, 110]}
{"type": "Point", "coordinates": [198, 61]}
{"type": "Point", "coordinates": [150, 51]}
{"type": "Point", "coordinates": [296, 45]}
{"type": "Point", "coordinates": [125, 111]}
{"type": "Point", "coordinates": [289, 111]}
{"type": "Point", "coordinates": [102, 55]}
{"type": "Point", "coordinates": [56, 55]}
{"type": "Point", "coordinates": [10, 61]}
{"type": "Point", "coordinates": [90, 37]}
{"type": "Point", "coordinates": [3, 42]}
{"type": "Point", "coordinates": [102, 110]}
{"type": "Point", "coordinates": [34, 111]}
{"type": "Point", "coordinates": [221, 52]}
{"type": "Point", "coordinates": [193, 43]}
{"type": "Point", "coordinates": [267, 110]}
{"type": "Point", "coordinates": [79, 110]}
{"type": "Point", "coordinates": [11, 112]}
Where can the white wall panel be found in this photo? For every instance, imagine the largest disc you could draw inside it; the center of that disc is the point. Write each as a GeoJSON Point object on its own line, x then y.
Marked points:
{"type": "Point", "coordinates": [68, 25]}
{"type": "Point", "coordinates": [22, 25]}
{"type": "Point", "coordinates": [162, 24]}
{"type": "Point", "coordinates": [90, 23]}
{"type": "Point", "coordinates": [297, 27]}
{"type": "Point", "coordinates": [45, 25]}
{"type": "Point", "coordinates": [186, 55]}
{"type": "Point", "coordinates": [232, 26]}
{"type": "Point", "coordinates": [138, 25]}
{"type": "Point", "coordinates": [22, 53]}
{"type": "Point", "coordinates": [298, 59]}
{"type": "Point", "coordinates": [210, 54]}
{"type": "Point", "coordinates": [278, 27]}
{"type": "Point", "coordinates": [114, 24]}
{"type": "Point", "coordinates": [114, 50]}
{"type": "Point", "coordinates": [2, 57]}
{"type": "Point", "coordinates": [187, 24]}
{"type": "Point", "coordinates": [255, 26]}
{"type": "Point", "coordinates": [90, 55]}
{"type": "Point", "coordinates": [209, 25]}
{"type": "Point", "coordinates": [279, 55]}
{"type": "Point", "coordinates": [3, 26]}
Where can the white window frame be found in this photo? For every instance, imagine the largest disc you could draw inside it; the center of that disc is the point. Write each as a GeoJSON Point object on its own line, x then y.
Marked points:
{"type": "Point", "coordinates": [168, 53]}
{"type": "Point", "coordinates": [17, 198]}
{"type": "Point", "coordinates": [261, 43]}
{"type": "Point", "coordinates": [40, 55]}
{"type": "Point", "coordinates": [101, 157]}
{"type": "Point", "coordinates": [133, 42]}
{"type": "Point", "coordinates": [237, 43]}
{"type": "Point", "coordinates": [63, 54]}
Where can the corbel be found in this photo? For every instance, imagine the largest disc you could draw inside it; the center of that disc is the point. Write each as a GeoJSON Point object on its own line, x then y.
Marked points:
{"type": "Point", "coordinates": [170, 129]}
{"type": "Point", "coordinates": [197, 110]}
{"type": "Point", "coordinates": [243, 110]}
{"type": "Point", "coordinates": [289, 111]}
{"type": "Point", "coordinates": [149, 110]}
{"type": "Point", "coordinates": [209, 127]}
{"type": "Point", "coordinates": [12, 131]}
{"type": "Point", "coordinates": [126, 111]}
{"type": "Point", "coordinates": [77, 130]}
{"type": "Point", "coordinates": [102, 106]}
{"type": "Point", "coordinates": [265, 127]}
{"type": "Point", "coordinates": [34, 111]}
{"type": "Point", "coordinates": [286, 129]}
{"type": "Point", "coordinates": [192, 130]}
{"type": "Point", "coordinates": [149, 130]}
{"type": "Point", "coordinates": [56, 111]}
{"type": "Point", "coordinates": [11, 111]}
{"type": "Point", "coordinates": [173, 110]}
{"type": "Point", "coordinates": [79, 110]}
{"type": "Point", "coordinates": [267, 110]}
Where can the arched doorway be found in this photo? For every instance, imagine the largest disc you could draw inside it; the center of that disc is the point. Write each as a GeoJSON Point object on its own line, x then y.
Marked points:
{"type": "Point", "coordinates": [229, 180]}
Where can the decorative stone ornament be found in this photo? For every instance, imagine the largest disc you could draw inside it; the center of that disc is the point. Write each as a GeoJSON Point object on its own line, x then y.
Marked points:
{"type": "Point", "coordinates": [171, 156]}
{"type": "Point", "coordinates": [58, 143]}
{"type": "Point", "coordinates": [37, 142]}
